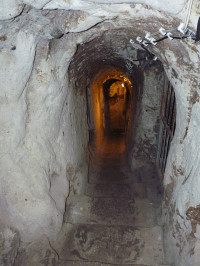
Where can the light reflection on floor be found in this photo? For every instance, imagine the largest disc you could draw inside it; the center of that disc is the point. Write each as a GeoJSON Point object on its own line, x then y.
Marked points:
{"type": "Point", "coordinates": [112, 146]}
{"type": "Point", "coordinates": [106, 159]}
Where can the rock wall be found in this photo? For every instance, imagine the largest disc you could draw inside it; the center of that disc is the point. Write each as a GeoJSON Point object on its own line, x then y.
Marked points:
{"type": "Point", "coordinates": [43, 145]}
{"type": "Point", "coordinates": [182, 171]}
{"type": "Point", "coordinates": [148, 115]}
{"type": "Point", "coordinates": [43, 108]}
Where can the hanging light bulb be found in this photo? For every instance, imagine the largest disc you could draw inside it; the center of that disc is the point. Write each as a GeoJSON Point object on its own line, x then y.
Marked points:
{"type": "Point", "coordinates": [122, 84]}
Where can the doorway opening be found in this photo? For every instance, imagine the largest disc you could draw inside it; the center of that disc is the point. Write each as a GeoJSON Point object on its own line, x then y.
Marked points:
{"type": "Point", "coordinates": [109, 117]}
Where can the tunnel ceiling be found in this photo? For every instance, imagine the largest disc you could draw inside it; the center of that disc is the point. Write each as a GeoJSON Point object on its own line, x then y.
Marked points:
{"type": "Point", "coordinates": [108, 43]}
{"type": "Point", "coordinates": [100, 40]}
{"type": "Point", "coordinates": [110, 48]}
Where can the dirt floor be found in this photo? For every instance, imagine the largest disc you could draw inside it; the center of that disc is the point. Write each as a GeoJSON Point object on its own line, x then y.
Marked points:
{"type": "Point", "coordinates": [117, 221]}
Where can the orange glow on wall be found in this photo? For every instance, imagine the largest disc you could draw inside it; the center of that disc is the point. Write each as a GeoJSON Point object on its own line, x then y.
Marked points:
{"type": "Point", "coordinates": [116, 103]}
{"type": "Point", "coordinates": [117, 106]}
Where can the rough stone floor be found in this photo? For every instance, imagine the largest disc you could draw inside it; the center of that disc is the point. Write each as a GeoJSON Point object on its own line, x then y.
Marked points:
{"type": "Point", "coordinates": [117, 221]}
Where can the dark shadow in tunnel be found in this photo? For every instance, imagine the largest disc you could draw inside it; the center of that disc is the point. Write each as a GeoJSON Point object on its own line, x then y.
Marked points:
{"type": "Point", "coordinates": [106, 87]}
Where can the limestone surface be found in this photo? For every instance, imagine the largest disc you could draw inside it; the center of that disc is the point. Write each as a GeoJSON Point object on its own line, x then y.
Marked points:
{"type": "Point", "coordinates": [9, 245]}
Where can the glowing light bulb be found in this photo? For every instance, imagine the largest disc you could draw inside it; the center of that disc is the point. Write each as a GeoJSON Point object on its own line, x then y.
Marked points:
{"type": "Point", "coordinates": [122, 84]}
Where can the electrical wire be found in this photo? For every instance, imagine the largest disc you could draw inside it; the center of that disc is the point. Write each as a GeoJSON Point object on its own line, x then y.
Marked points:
{"type": "Point", "coordinates": [161, 39]}
{"type": "Point", "coordinates": [158, 32]}
{"type": "Point", "coordinates": [165, 37]}
{"type": "Point", "coordinates": [189, 7]}
{"type": "Point", "coordinates": [151, 56]}
{"type": "Point", "coordinates": [141, 59]}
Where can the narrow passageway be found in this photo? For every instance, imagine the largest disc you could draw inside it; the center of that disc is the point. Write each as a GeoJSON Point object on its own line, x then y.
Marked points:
{"type": "Point", "coordinates": [117, 220]}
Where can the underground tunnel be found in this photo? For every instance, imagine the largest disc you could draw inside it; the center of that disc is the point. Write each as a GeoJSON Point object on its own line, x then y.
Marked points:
{"type": "Point", "coordinates": [99, 133]}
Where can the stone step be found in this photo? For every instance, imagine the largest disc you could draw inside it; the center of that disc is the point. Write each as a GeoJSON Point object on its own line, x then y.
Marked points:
{"type": "Point", "coordinates": [116, 211]}
{"type": "Point", "coordinates": [90, 263]}
{"type": "Point", "coordinates": [148, 175]}
{"type": "Point", "coordinates": [116, 190]}
{"type": "Point", "coordinates": [109, 174]}
{"type": "Point", "coordinates": [108, 171]}
{"type": "Point", "coordinates": [116, 245]}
